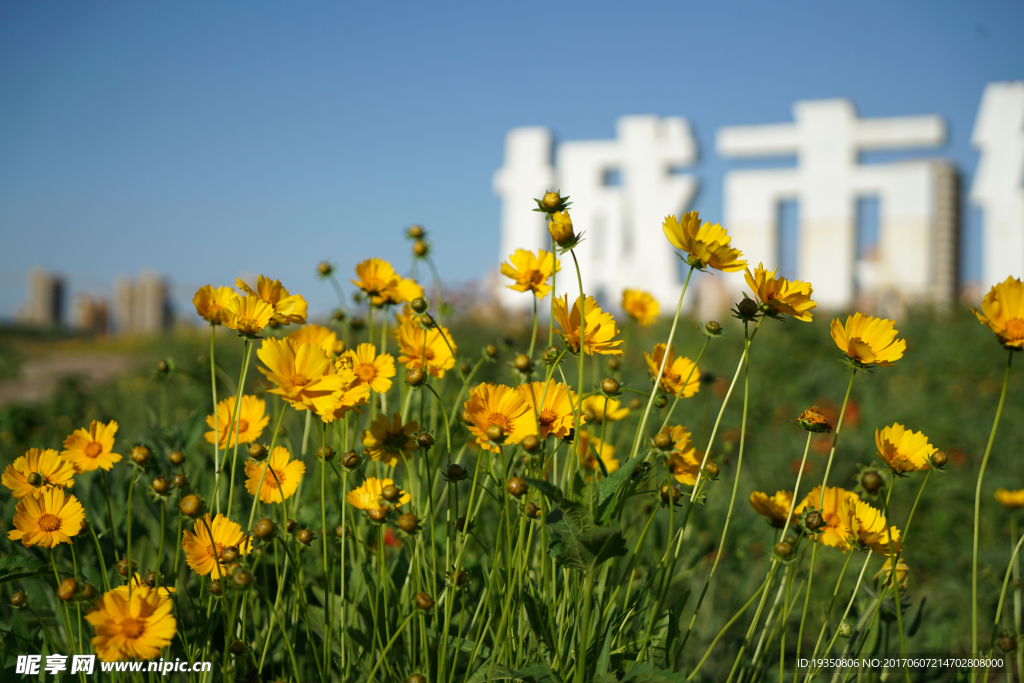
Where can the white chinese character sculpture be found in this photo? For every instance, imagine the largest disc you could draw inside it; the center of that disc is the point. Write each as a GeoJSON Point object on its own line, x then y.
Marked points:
{"type": "Point", "coordinates": [624, 245]}
{"type": "Point", "coordinates": [915, 259]}
{"type": "Point", "coordinates": [999, 180]}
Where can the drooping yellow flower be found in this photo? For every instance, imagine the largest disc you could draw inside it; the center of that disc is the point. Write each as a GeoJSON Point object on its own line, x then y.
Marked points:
{"type": "Point", "coordinates": [836, 533]}
{"type": "Point", "coordinates": [641, 306]}
{"type": "Point", "coordinates": [598, 408]}
{"type": "Point", "coordinates": [369, 495]}
{"type": "Point", "coordinates": [388, 440]}
{"type": "Point", "coordinates": [903, 450]}
{"type": "Point", "coordinates": [288, 308]}
{"type": "Point", "coordinates": [136, 627]}
{"type": "Point", "coordinates": [1011, 500]}
{"type": "Point", "coordinates": [677, 371]}
{"type": "Point", "coordinates": [707, 244]}
{"type": "Point", "coordinates": [530, 272]}
{"type": "Point", "coordinates": [1002, 311]}
{"type": "Point", "coordinates": [212, 303]}
{"type": "Point", "coordinates": [902, 571]}
{"type": "Point", "coordinates": [249, 315]}
{"type": "Point", "coordinates": [497, 404]}
{"type": "Point", "coordinates": [53, 470]}
{"type": "Point", "coordinates": [684, 460]}
{"type": "Point", "coordinates": [552, 409]}
{"type": "Point", "coordinates": [592, 448]}
{"type": "Point", "coordinates": [560, 229]}
{"type": "Point", "coordinates": [280, 481]}
{"type": "Point", "coordinates": [600, 328]}
{"type": "Point", "coordinates": [301, 374]}
{"type": "Point", "coordinates": [417, 344]}
{"type": "Point", "coordinates": [251, 421]}
{"type": "Point", "coordinates": [867, 528]}
{"type": "Point", "coordinates": [202, 551]}
{"type": "Point", "coordinates": [89, 449]}
{"type": "Point", "coordinates": [775, 508]}
{"type": "Point", "coordinates": [317, 335]}
{"type": "Point", "coordinates": [164, 591]}
{"type": "Point", "coordinates": [370, 369]}
{"type": "Point", "coordinates": [383, 285]}
{"type": "Point", "coordinates": [50, 519]}
{"type": "Point", "coordinates": [790, 298]}
{"type": "Point", "coordinates": [868, 340]}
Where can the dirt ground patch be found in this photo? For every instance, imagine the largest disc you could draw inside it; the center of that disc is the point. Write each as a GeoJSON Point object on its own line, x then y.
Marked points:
{"type": "Point", "coordinates": [40, 377]}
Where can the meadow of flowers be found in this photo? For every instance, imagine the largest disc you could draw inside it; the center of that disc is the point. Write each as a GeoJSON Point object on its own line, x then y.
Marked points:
{"type": "Point", "coordinates": [378, 499]}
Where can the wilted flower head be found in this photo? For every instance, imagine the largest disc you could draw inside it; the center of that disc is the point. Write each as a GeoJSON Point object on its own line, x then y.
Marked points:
{"type": "Point", "coordinates": [867, 527]}
{"type": "Point", "coordinates": [813, 420]}
{"type": "Point", "coordinates": [706, 245]}
{"type": "Point", "coordinates": [1002, 311]}
{"type": "Point", "coordinates": [529, 272]}
{"type": "Point", "coordinates": [781, 295]}
{"type": "Point", "coordinates": [868, 340]}
{"type": "Point", "coordinates": [902, 571]}
{"type": "Point", "coordinates": [641, 306]}
{"type": "Point", "coordinates": [775, 508]}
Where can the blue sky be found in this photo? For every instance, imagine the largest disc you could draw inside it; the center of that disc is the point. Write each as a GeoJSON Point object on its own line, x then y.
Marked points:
{"type": "Point", "coordinates": [206, 140]}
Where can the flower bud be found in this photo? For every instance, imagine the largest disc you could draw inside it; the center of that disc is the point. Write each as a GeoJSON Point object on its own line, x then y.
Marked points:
{"type": "Point", "coordinates": [419, 304]}
{"type": "Point", "coordinates": [663, 441]}
{"type": "Point", "coordinates": [517, 487]}
{"type": "Point", "coordinates": [140, 455]}
{"type": "Point", "coordinates": [191, 506]}
{"type": "Point", "coordinates": [635, 404]}
{"type": "Point", "coordinates": [241, 578]}
{"type": "Point", "coordinates": [325, 453]}
{"type": "Point", "coordinates": [711, 470]}
{"type": "Point", "coordinates": [783, 549]}
{"type": "Point", "coordinates": [611, 387]}
{"type": "Point", "coordinates": [125, 568]}
{"type": "Point", "coordinates": [456, 471]}
{"type": "Point", "coordinates": [424, 601]}
{"type": "Point", "coordinates": [162, 367]}
{"type": "Point", "coordinates": [460, 524]}
{"type": "Point", "coordinates": [150, 579]}
{"type": "Point", "coordinates": [305, 536]}
{"type": "Point", "coordinates": [264, 529]}
{"type": "Point", "coordinates": [670, 495]}
{"type": "Point", "coordinates": [66, 590]}
{"type": "Point", "coordinates": [179, 480]}
{"type": "Point", "coordinates": [551, 353]}
{"type": "Point", "coordinates": [1007, 643]}
{"type": "Point", "coordinates": [424, 440]}
{"type": "Point", "coordinates": [338, 348]}
{"type": "Point", "coordinates": [419, 247]}
{"type": "Point", "coordinates": [614, 364]}
{"type": "Point", "coordinates": [814, 521]}
{"type": "Point", "coordinates": [845, 630]}
{"type": "Point", "coordinates": [523, 363]}
{"type": "Point", "coordinates": [560, 228]}
{"type": "Point", "coordinates": [89, 592]}
{"type": "Point", "coordinates": [938, 459]}
{"type": "Point", "coordinates": [324, 268]}
{"type": "Point", "coordinates": [35, 479]}
{"type": "Point", "coordinates": [176, 458]}
{"type": "Point", "coordinates": [257, 451]}
{"type": "Point", "coordinates": [871, 481]}
{"type": "Point", "coordinates": [390, 493]}
{"type": "Point", "coordinates": [215, 587]}
{"type": "Point", "coordinates": [661, 401]}
{"type": "Point", "coordinates": [491, 350]}
{"type": "Point", "coordinates": [161, 486]}
{"type": "Point", "coordinates": [531, 444]}
{"type": "Point", "coordinates": [416, 678]}
{"type": "Point", "coordinates": [379, 515]}
{"type": "Point", "coordinates": [496, 434]}
{"type": "Point", "coordinates": [290, 525]}
{"type": "Point", "coordinates": [551, 201]}
{"type": "Point", "coordinates": [747, 308]}
{"type": "Point", "coordinates": [229, 554]}
{"type": "Point", "coordinates": [713, 328]}
{"type": "Point", "coordinates": [465, 367]}
{"type": "Point", "coordinates": [458, 578]}
{"type": "Point", "coordinates": [351, 460]}
{"type": "Point", "coordinates": [531, 511]}
{"type": "Point", "coordinates": [18, 599]}
{"type": "Point", "coordinates": [342, 531]}
{"type": "Point", "coordinates": [408, 522]}
{"type": "Point", "coordinates": [237, 648]}
{"type": "Point", "coordinates": [415, 377]}
{"type": "Point", "coordinates": [338, 314]}
{"type": "Point", "coordinates": [415, 231]}
{"type": "Point", "coordinates": [357, 324]}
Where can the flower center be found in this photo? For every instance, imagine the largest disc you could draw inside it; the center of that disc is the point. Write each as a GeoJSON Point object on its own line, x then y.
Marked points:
{"type": "Point", "coordinates": [430, 354]}
{"type": "Point", "coordinates": [269, 480]}
{"type": "Point", "coordinates": [395, 442]}
{"type": "Point", "coordinates": [536, 277]}
{"type": "Point", "coordinates": [547, 417]}
{"type": "Point", "coordinates": [133, 628]}
{"type": "Point", "coordinates": [366, 372]}
{"type": "Point", "coordinates": [501, 420]}
{"type": "Point", "coordinates": [49, 523]}
{"type": "Point", "coordinates": [94, 449]}
{"type": "Point", "coordinates": [300, 380]}
{"type": "Point", "coordinates": [243, 425]}
{"type": "Point", "coordinates": [1015, 329]}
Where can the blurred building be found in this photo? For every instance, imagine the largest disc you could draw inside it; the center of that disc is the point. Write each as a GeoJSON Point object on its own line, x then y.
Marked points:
{"type": "Point", "coordinates": [141, 305]}
{"type": "Point", "coordinates": [92, 315]}
{"type": "Point", "coordinates": [46, 294]}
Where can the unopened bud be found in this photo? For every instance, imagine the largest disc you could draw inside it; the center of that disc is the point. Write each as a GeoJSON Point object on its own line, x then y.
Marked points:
{"type": "Point", "coordinates": [517, 486]}
{"type": "Point", "coordinates": [419, 304]}
{"type": "Point", "coordinates": [523, 363]}
{"type": "Point", "coordinates": [257, 451]}
{"type": "Point", "coordinates": [530, 443]}
{"type": "Point", "coordinates": [415, 377]}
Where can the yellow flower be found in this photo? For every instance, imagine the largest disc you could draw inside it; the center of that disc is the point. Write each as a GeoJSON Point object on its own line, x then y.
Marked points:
{"type": "Point", "coordinates": [388, 440]}
{"type": "Point", "coordinates": [251, 421]}
{"type": "Point", "coordinates": [383, 285]}
{"type": "Point", "coordinates": [903, 450]}
{"type": "Point", "coordinates": [282, 479]}
{"type": "Point", "coordinates": [136, 627]}
{"type": "Point", "coordinates": [560, 227]}
{"type": "Point", "coordinates": [600, 327]}
{"type": "Point", "coordinates": [88, 449]}
{"type": "Point", "coordinates": [368, 496]}
{"type": "Point", "coordinates": [164, 591]}
{"type": "Point", "coordinates": [530, 273]}
{"type": "Point", "coordinates": [203, 552]}
{"type": "Point", "coordinates": [497, 404]}
{"type": "Point", "coordinates": [417, 344]}
{"type": "Point", "coordinates": [1011, 500]}
{"type": "Point", "coordinates": [867, 527]}
{"type": "Point", "coordinates": [555, 413]}
{"type": "Point", "coordinates": [212, 304]}
{"type": "Point", "coordinates": [677, 371]}
{"type": "Point", "coordinates": [683, 461]}
{"type": "Point", "coordinates": [370, 369]}
{"type": "Point", "coordinates": [301, 374]}
{"type": "Point", "coordinates": [641, 306]}
{"type": "Point", "coordinates": [315, 335]}
{"type": "Point", "coordinates": [352, 394]}
{"type": "Point", "coordinates": [867, 339]}
{"type": "Point", "coordinates": [775, 508]}
{"type": "Point", "coordinates": [288, 308]}
{"type": "Point", "coordinates": [902, 570]}
{"type": "Point", "coordinates": [1002, 311]}
{"type": "Point", "coordinates": [707, 245]}
{"type": "Point", "coordinates": [54, 472]}
{"type": "Point", "coordinates": [248, 315]}
{"type": "Point", "coordinates": [598, 408]}
{"type": "Point", "coordinates": [789, 298]}
{"type": "Point", "coordinates": [592, 448]}
{"type": "Point", "coordinates": [836, 532]}
{"type": "Point", "coordinates": [50, 519]}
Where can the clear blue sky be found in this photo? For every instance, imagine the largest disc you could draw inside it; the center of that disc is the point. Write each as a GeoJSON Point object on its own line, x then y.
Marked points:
{"type": "Point", "coordinates": [205, 140]}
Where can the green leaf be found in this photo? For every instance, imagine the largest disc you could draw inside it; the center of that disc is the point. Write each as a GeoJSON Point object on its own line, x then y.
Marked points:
{"type": "Point", "coordinates": [15, 567]}
{"type": "Point", "coordinates": [915, 623]}
{"type": "Point", "coordinates": [547, 488]}
{"type": "Point", "coordinates": [603, 544]}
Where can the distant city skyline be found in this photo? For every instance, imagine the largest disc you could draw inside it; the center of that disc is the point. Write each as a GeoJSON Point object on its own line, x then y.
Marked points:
{"type": "Point", "coordinates": [207, 142]}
